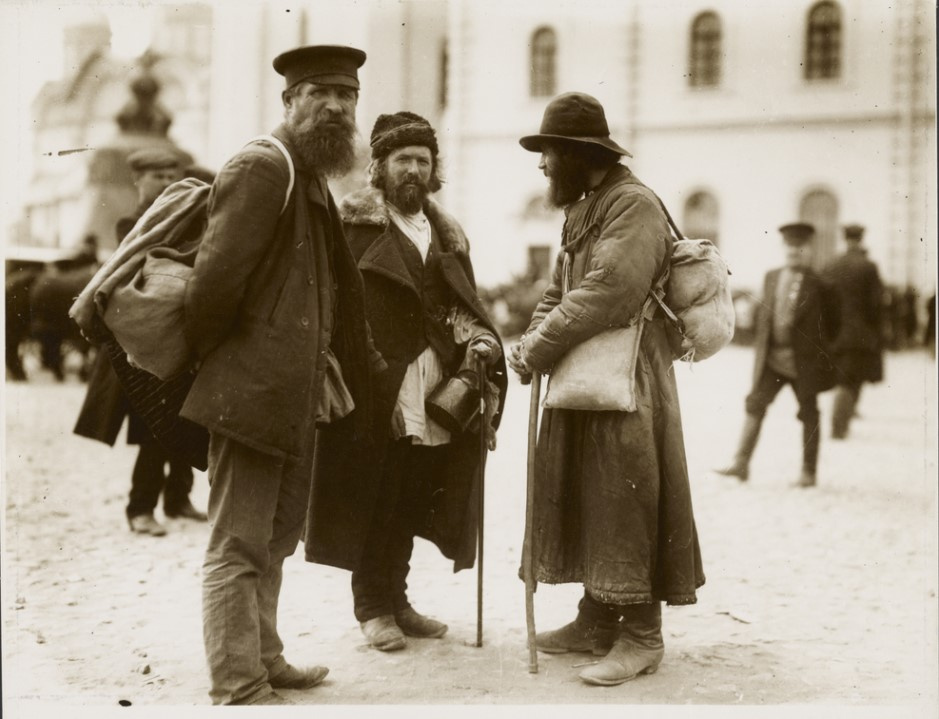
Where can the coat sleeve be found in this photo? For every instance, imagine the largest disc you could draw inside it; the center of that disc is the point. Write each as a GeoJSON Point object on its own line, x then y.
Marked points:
{"type": "Point", "coordinates": [623, 265]}
{"type": "Point", "coordinates": [243, 209]}
{"type": "Point", "coordinates": [550, 298]}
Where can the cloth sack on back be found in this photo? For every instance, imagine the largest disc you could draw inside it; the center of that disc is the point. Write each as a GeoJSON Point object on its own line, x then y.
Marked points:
{"type": "Point", "coordinates": [698, 295]}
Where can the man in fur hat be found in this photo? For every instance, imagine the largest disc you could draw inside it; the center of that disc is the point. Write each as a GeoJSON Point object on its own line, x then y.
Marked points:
{"type": "Point", "coordinates": [417, 472]}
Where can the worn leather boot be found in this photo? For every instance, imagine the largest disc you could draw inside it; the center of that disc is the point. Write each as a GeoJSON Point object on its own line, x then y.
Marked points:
{"type": "Point", "coordinates": [417, 625]}
{"type": "Point", "coordinates": [383, 634]}
{"type": "Point", "coordinates": [637, 650]}
{"type": "Point", "coordinates": [741, 464]}
{"type": "Point", "coordinates": [291, 677]}
{"type": "Point", "coordinates": [584, 634]}
{"type": "Point", "coordinates": [146, 524]}
{"type": "Point", "coordinates": [810, 446]}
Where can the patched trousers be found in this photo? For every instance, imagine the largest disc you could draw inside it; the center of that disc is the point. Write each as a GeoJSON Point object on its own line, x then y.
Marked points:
{"type": "Point", "coordinates": [257, 507]}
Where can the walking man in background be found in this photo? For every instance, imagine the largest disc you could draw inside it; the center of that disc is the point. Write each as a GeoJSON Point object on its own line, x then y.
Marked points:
{"type": "Point", "coordinates": [157, 470]}
{"type": "Point", "coordinates": [794, 325]}
{"type": "Point", "coordinates": [858, 347]}
{"type": "Point", "coordinates": [411, 476]}
{"type": "Point", "coordinates": [275, 304]}
{"type": "Point", "coordinates": [612, 503]}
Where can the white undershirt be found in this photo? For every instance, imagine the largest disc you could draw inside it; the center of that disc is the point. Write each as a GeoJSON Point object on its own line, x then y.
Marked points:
{"type": "Point", "coordinates": [426, 372]}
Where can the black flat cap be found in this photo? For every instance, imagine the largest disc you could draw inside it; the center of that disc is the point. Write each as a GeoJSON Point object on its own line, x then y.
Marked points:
{"type": "Point", "coordinates": [154, 158]}
{"type": "Point", "coordinates": [854, 232]}
{"type": "Point", "coordinates": [322, 64]}
{"type": "Point", "coordinates": [797, 233]}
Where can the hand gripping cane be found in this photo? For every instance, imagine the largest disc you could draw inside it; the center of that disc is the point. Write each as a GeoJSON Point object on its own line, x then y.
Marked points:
{"type": "Point", "coordinates": [528, 570]}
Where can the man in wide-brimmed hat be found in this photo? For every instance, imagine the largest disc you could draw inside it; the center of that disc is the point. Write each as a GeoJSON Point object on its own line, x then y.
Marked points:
{"type": "Point", "coordinates": [612, 506]}
{"type": "Point", "coordinates": [415, 472]}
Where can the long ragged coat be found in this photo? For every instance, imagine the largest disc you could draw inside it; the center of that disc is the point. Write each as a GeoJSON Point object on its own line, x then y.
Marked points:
{"type": "Point", "coordinates": [347, 467]}
{"type": "Point", "coordinates": [612, 498]}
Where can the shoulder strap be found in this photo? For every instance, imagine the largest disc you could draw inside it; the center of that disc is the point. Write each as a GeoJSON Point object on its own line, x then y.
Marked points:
{"type": "Point", "coordinates": [283, 150]}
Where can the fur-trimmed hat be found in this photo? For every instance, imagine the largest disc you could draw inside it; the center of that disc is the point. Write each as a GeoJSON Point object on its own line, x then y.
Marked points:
{"type": "Point", "coordinates": [401, 130]}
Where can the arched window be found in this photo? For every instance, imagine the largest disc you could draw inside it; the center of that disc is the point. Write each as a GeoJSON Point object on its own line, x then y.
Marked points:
{"type": "Point", "coordinates": [704, 61]}
{"type": "Point", "coordinates": [820, 209]}
{"type": "Point", "coordinates": [823, 42]}
{"type": "Point", "coordinates": [544, 48]}
{"type": "Point", "coordinates": [701, 217]}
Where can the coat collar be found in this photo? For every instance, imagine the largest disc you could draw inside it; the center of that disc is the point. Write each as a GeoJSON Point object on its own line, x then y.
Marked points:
{"type": "Point", "coordinates": [367, 207]}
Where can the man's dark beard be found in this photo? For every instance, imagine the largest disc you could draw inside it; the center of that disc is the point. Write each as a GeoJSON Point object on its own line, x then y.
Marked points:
{"type": "Point", "coordinates": [327, 146]}
{"type": "Point", "coordinates": [569, 180]}
{"type": "Point", "coordinates": [408, 195]}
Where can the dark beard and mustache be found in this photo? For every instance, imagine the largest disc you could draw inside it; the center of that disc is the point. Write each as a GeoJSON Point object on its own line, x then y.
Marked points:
{"type": "Point", "coordinates": [569, 180]}
{"type": "Point", "coordinates": [408, 195]}
{"type": "Point", "coordinates": [324, 145]}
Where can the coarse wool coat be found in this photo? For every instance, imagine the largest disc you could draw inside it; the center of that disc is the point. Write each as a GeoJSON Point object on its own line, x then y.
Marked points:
{"type": "Point", "coordinates": [106, 403]}
{"type": "Point", "coordinates": [348, 470]}
{"type": "Point", "coordinates": [612, 504]}
{"type": "Point", "coordinates": [265, 288]}
{"type": "Point", "coordinates": [814, 324]}
{"type": "Point", "coordinates": [858, 346]}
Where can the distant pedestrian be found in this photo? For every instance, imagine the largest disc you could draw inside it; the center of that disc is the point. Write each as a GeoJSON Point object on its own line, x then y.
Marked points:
{"type": "Point", "coordinates": [612, 507]}
{"type": "Point", "coordinates": [794, 325]}
{"type": "Point", "coordinates": [858, 347]}
{"type": "Point", "coordinates": [157, 470]}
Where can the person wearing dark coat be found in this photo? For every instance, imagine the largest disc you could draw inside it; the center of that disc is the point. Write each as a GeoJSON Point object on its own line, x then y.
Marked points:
{"type": "Point", "coordinates": [106, 404]}
{"type": "Point", "coordinates": [275, 313]}
{"type": "Point", "coordinates": [858, 347]}
{"type": "Point", "coordinates": [795, 323]}
{"type": "Point", "coordinates": [416, 473]}
{"type": "Point", "coordinates": [612, 501]}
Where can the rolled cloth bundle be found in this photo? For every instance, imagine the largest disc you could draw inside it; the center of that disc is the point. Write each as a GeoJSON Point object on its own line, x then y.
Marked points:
{"type": "Point", "coordinates": [698, 292]}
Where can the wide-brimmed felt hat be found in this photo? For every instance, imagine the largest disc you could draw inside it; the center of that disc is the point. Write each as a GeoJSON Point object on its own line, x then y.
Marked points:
{"type": "Point", "coordinates": [576, 117]}
{"type": "Point", "coordinates": [322, 64]}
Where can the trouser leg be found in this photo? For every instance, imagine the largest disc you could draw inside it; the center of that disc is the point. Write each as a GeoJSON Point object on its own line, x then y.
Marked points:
{"type": "Point", "coordinates": [178, 485]}
{"type": "Point", "coordinates": [257, 505]}
{"type": "Point", "coordinates": [845, 405]}
{"type": "Point", "coordinates": [147, 479]}
{"type": "Point", "coordinates": [811, 436]}
{"type": "Point", "coordinates": [371, 581]}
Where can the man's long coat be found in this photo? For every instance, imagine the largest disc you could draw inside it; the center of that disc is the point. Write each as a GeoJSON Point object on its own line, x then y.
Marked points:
{"type": "Point", "coordinates": [347, 466]}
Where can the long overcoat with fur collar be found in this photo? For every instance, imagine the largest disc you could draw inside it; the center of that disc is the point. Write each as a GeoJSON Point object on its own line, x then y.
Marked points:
{"type": "Point", "coordinates": [348, 468]}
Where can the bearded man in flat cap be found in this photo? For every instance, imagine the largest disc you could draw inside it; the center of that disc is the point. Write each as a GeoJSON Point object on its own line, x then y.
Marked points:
{"type": "Point", "coordinates": [417, 471]}
{"type": "Point", "coordinates": [275, 312]}
{"type": "Point", "coordinates": [612, 507]}
{"type": "Point", "coordinates": [795, 323]}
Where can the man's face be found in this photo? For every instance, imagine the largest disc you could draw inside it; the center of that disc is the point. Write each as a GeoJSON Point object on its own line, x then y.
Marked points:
{"type": "Point", "coordinates": [320, 121]}
{"type": "Point", "coordinates": [311, 106]}
{"type": "Point", "coordinates": [150, 183]}
{"type": "Point", "coordinates": [407, 177]}
{"type": "Point", "coordinates": [567, 175]}
{"type": "Point", "coordinates": [799, 256]}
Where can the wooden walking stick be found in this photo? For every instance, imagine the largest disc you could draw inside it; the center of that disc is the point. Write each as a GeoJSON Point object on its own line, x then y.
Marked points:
{"type": "Point", "coordinates": [528, 570]}
{"type": "Point", "coordinates": [482, 501]}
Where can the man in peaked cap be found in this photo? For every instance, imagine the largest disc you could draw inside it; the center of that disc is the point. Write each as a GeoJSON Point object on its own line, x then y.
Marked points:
{"type": "Point", "coordinates": [275, 313]}
{"type": "Point", "coordinates": [610, 487]}
{"type": "Point", "coordinates": [156, 470]}
{"type": "Point", "coordinates": [415, 473]}
{"type": "Point", "coordinates": [858, 347]}
{"type": "Point", "coordinates": [795, 322]}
